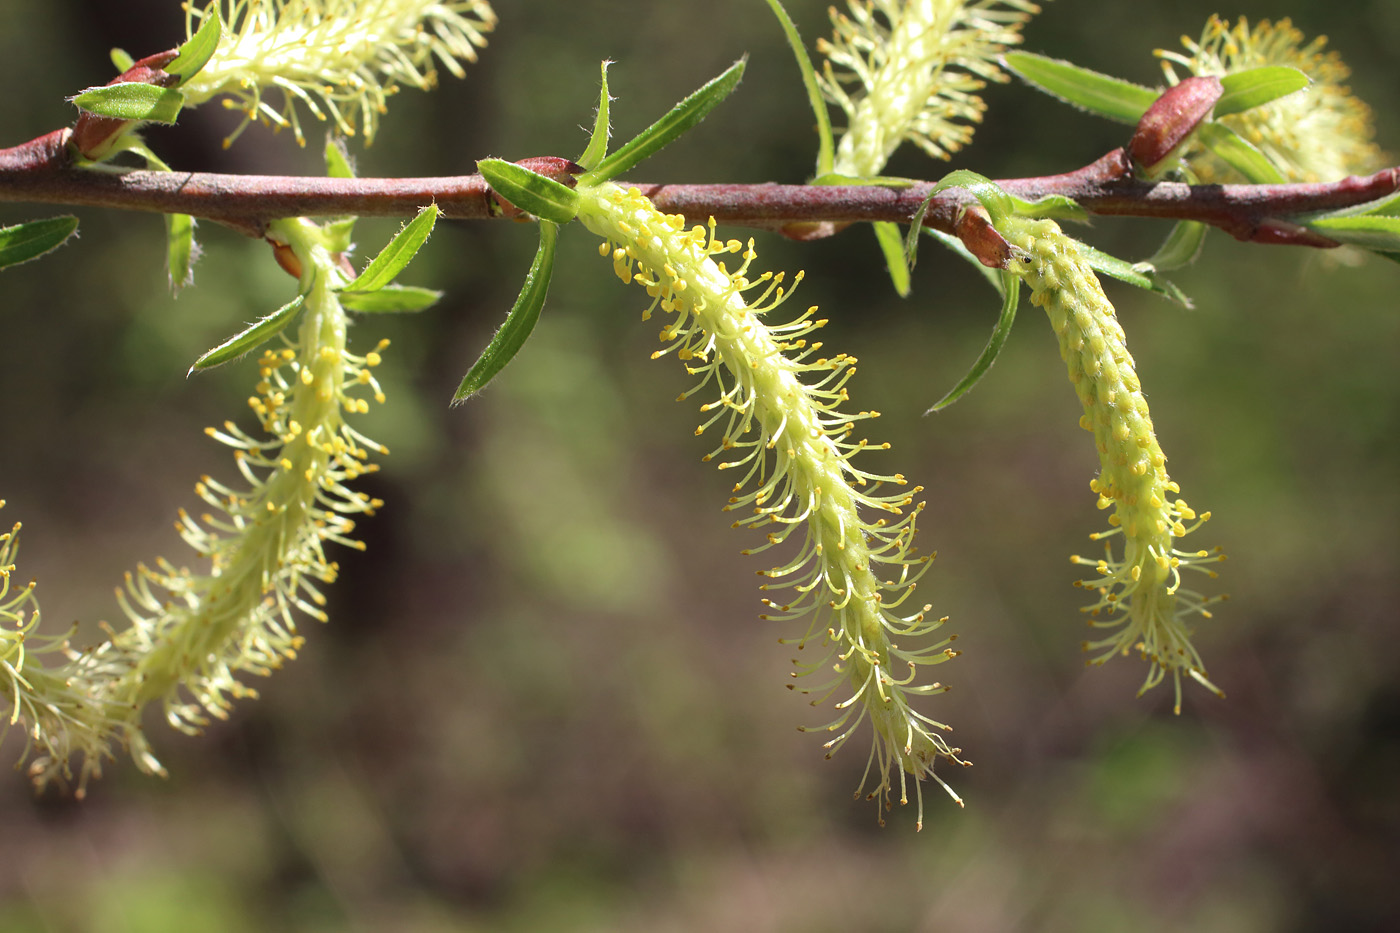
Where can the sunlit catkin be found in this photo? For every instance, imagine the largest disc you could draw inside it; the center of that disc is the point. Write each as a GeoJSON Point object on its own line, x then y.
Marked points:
{"type": "Point", "coordinates": [1141, 601]}
{"type": "Point", "coordinates": [195, 635]}
{"type": "Point", "coordinates": [776, 399]}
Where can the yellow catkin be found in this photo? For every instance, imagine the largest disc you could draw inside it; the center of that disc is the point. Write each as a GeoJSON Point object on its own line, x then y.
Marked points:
{"type": "Point", "coordinates": [777, 402]}
{"type": "Point", "coordinates": [1141, 601]}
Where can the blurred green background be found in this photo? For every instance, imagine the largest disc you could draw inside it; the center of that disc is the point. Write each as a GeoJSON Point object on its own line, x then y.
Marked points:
{"type": "Point", "coordinates": [544, 700]}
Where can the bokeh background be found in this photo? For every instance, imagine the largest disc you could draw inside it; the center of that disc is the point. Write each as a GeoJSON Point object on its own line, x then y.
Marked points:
{"type": "Point", "coordinates": [544, 700]}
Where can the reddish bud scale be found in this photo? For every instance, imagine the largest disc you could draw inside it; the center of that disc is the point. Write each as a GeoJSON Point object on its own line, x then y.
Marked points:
{"type": "Point", "coordinates": [1171, 119]}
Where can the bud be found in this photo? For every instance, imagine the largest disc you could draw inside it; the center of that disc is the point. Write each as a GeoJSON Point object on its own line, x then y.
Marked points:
{"type": "Point", "coordinates": [1169, 122]}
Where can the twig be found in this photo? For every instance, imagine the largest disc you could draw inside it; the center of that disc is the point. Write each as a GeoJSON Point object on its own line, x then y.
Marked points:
{"type": "Point", "coordinates": [39, 172]}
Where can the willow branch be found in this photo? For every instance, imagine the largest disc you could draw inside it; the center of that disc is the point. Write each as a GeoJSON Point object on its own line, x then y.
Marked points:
{"type": "Point", "coordinates": [39, 172]}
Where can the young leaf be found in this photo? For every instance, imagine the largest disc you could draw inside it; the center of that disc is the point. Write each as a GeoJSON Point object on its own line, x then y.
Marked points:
{"type": "Point", "coordinates": [1377, 232]}
{"type": "Point", "coordinates": [339, 232]}
{"type": "Point", "coordinates": [132, 100]}
{"type": "Point", "coordinates": [597, 146]}
{"type": "Point", "coordinates": [1182, 247]}
{"type": "Point", "coordinates": [337, 159]}
{"type": "Point", "coordinates": [682, 117]}
{"type": "Point", "coordinates": [390, 299]}
{"type": "Point", "coordinates": [1242, 155]}
{"type": "Point", "coordinates": [1097, 93]}
{"type": "Point", "coordinates": [1257, 86]}
{"type": "Point", "coordinates": [27, 241]}
{"type": "Point", "coordinates": [1133, 274]}
{"type": "Point", "coordinates": [121, 59]}
{"type": "Point", "coordinates": [179, 250]}
{"type": "Point", "coordinates": [997, 202]}
{"type": "Point", "coordinates": [892, 245]}
{"type": "Point", "coordinates": [1054, 206]}
{"type": "Point", "coordinates": [825, 145]}
{"type": "Point", "coordinates": [196, 52]}
{"type": "Point", "coordinates": [530, 191]}
{"type": "Point", "coordinates": [398, 254]}
{"type": "Point", "coordinates": [519, 323]}
{"type": "Point", "coordinates": [251, 338]}
{"type": "Point", "coordinates": [1011, 296]}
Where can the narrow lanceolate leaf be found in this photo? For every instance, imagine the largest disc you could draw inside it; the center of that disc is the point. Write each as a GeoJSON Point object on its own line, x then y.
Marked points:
{"type": "Point", "coordinates": [685, 115]}
{"type": "Point", "coordinates": [892, 245]}
{"type": "Point", "coordinates": [1254, 87]}
{"type": "Point", "coordinates": [1134, 274]}
{"type": "Point", "coordinates": [1242, 155]}
{"type": "Point", "coordinates": [337, 159]}
{"type": "Point", "coordinates": [133, 101]}
{"type": "Point", "coordinates": [1109, 97]}
{"type": "Point", "coordinates": [196, 52]}
{"type": "Point", "coordinates": [251, 338]}
{"type": "Point", "coordinates": [826, 147]}
{"type": "Point", "coordinates": [1053, 206]}
{"type": "Point", "coordinates": [179, 249]}
{"type": "Point", "coordinates": [1182, 247]}
{"type": "Point", "coordinates": [398, 254]}
{"type": "Point", "coordinates": [519, 323]}
{"type": "Point", "coordinates": [530, 191]}
{"type": "Point", "coordinates": [27, 241]}
{"type": "Point", "coordinates": [1011, 296]}
{"type": "Point", "coordinates": [390, 299]}
{"type": "Point", "coordinates": [997, 202]}
{"type": "Point", "coordinates": [1377, 232]}
{"type": "Point", "coordinates": [597, 146]}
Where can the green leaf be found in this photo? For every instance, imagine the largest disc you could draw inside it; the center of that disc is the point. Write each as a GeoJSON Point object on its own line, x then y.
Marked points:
{"type": "Point", "coordinates": [1241, 155]}
{"type": "Point", "coordinates": [682, 117]}
{"type": "Point", "coordinates": [337, 159]}
{"type": "Point", "coordinates": [133, 144]}
{"type": "Point", "coordinates": [519, 323]}
{"type": "Point", "coordinates": [252, 337]}
{"type": "Point", "coordinates": [1011, 296]}
{"type": "Point", "coordinates": [179, 250]}
{"type": "Point", "coordinates": [391, 299]}
{"type": "Point", "coordinates": [1133, 274]}
{"type": "Point", "coordinates": [892, 245]}
{"type": "Point", "coordinates": [399, 253]}
{"type": "Point", "coordinates": [1182, 247]}
{"type": "Point", "coordinates": [1112, 98]}
{"type": "Point", "coordinates": [27, 241]}
{"type": "Point", "coordinates": [196, 52]}
{"type": "Point", "coordinates": [597, 146]}
{"type": "Point", "coordinates": [1054, 206]}
{"type": "Point", "coordinates": [121, 59]}
{"type": "Point", "coordinates": [530, 191]}
{"type": "Point", "coordinates": [998, 203]}
{"type": "Point", "coordinates": [133, 100]}
{"type": "Point", "coordinates": [1254, 87]}
{"type": "Point", "coordinates": [1380, 232]}
{"type": "Point", "coordinates": [1388, 206]}
{"type": "Point", "coordinates": [825, 144]}
{"type": "Point", "coordinates": [339, 233]}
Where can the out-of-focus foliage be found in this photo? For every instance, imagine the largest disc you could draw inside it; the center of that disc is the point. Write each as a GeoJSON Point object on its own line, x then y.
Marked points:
{"type": "Point", "coordinates": [544, 699]}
